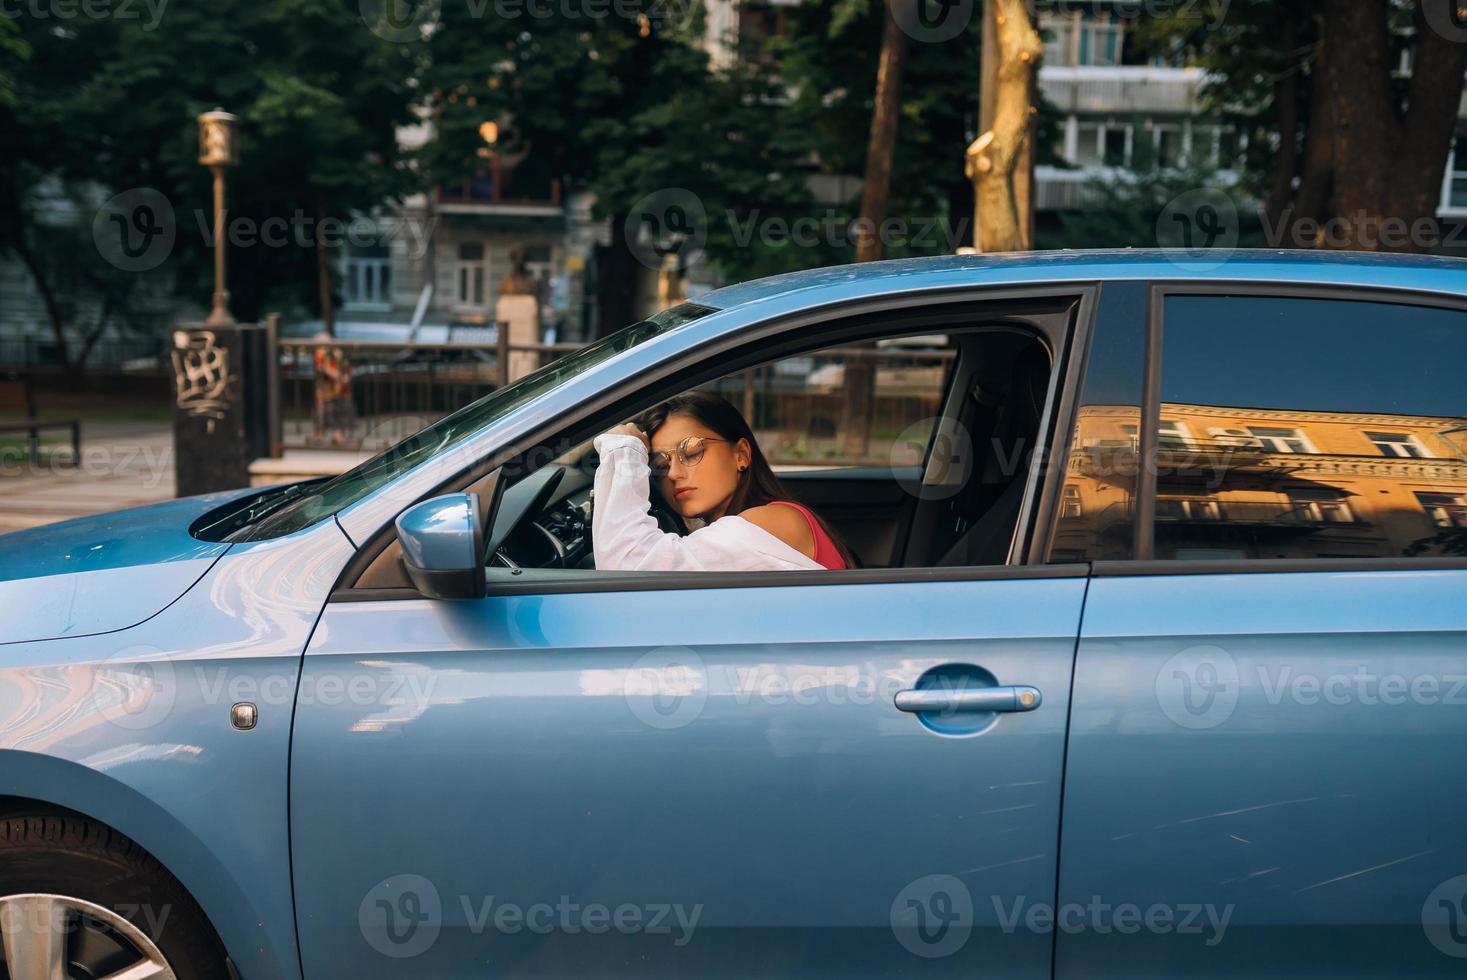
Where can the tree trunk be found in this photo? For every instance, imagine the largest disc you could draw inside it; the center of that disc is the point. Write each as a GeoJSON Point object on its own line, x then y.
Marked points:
{"type": "Point", "coordinates": [1286, 97]}
{"type": "Point", "coordinates": [1388, 163]}
{"type": "Point", "coordinates": [1316, 178]}
{"type": "Point", "coordinates": [881, 147]}
{"type": "Point", "coordinates": [1435, 95]}
{"type": "Point", "coordinates": [1003, 217]}
{"type": "Point", "coordinates": [53, 309]}
{"type": "Point", "coordinates": [323, 276]}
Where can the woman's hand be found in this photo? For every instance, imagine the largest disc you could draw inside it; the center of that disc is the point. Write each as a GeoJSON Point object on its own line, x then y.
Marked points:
{"type": "Point", "coordinates": [631, 429]}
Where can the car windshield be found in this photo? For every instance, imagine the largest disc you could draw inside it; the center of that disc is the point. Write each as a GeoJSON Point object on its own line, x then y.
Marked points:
{"type": "Point", "coordinates": [298, 507]}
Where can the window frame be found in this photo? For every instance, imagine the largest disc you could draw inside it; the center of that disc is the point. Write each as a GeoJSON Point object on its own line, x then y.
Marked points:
{"type": "Point", "coordinates": [774, 339]}
{"type": "Point", "coordinates": [1144, 561]}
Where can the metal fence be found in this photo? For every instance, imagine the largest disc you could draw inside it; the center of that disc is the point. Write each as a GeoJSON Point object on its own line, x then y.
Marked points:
{"type": "Point", "coordinates": [389, 390]}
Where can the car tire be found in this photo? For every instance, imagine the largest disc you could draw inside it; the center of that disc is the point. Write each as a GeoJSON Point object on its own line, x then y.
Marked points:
{"type": "Point", "coordinates": [108, 897]}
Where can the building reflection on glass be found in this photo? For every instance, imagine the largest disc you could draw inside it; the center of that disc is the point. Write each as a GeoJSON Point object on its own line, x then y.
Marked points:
{"type": "Point", "coordinates": [1266, 483]}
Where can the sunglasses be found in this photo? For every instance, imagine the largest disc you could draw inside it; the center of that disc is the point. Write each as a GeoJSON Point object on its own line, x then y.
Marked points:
{"type": "Point", "coordinates": [689, 452]}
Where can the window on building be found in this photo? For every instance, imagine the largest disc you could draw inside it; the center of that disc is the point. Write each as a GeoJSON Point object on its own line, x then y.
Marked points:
{"type": "Point", "coordinates": [1230, 366]}
{"type": "Point", "coordinates": [1398, 444]}
{"type": "Point", "coordinates": [1071, 506]}
{"type": "Point", "coordinates": [1116, 148]}
{"type": "Point", "coordinates": [1087, 147]}
{"type": "Point", "coordinates": [1319, 505]}
{"type": "Point", "coordinates": [1276, 440]}
{"type": "Point", "coordinates": [1445, 509]}
{"type": "Point", "coordinates": [366, 278]}
{"type": "Point", "coordinates": [469, 274]}
{"type": "Point", "coordinates": [1456, 194]}
{"type": "Point", "coordinates": [1100, 40]}
{"type": "Point", "coordinates": [1167, 141]}
{"type": "Point", "coordinates": [1059, 31]}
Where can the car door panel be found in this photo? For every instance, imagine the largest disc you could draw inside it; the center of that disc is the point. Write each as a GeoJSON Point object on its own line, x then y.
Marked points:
{"type": "Point", "coordinates": [731, 752]}
{"type": "Point", "coordinates": [1276, 755]}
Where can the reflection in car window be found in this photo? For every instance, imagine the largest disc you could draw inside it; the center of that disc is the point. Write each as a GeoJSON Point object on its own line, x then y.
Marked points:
{"type": "Point", "coordinates": [1295, 428]}
{"type": "Point", "coordinates": [325, 499]}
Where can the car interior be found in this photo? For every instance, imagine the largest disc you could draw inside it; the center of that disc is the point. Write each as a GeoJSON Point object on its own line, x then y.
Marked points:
{"type": "Point", "coordinates": [957, 503]}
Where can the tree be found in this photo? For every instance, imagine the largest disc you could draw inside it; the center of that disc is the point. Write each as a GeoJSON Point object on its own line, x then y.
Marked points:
{"type": "Point", "coordinates": [994, 158]}
{"type": "Point", "coordinates": [111, 104]}
{"type": "Point", "coordinates": [881, 146]}
{"type": "Point", "coordinates": [1343, 149]}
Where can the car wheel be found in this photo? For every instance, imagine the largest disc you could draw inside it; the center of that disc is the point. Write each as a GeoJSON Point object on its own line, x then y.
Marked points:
{"type": "Point", "coordinates": [79, 901]}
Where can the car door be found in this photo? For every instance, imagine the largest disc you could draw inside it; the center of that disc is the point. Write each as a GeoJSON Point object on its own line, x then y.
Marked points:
{"type": "Point", "coordinates": [706, 775]}
{"type": "Point", "coordinates": [1269, 706]}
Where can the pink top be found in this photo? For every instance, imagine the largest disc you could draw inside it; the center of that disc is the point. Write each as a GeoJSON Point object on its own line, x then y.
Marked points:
{"type": "Point", "coordinates": [825, 550]}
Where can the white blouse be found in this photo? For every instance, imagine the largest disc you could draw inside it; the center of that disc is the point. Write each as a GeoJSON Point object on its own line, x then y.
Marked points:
{"type": "Point", "coordinates": [625, 535]}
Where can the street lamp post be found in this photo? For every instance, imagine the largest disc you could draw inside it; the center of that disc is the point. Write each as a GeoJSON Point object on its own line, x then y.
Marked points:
{"type": "Point", "coordinates": [217, 150]}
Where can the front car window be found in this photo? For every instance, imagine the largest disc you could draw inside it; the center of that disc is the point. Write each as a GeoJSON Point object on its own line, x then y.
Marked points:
{"type": "Point", "coordinates": [325, 499]}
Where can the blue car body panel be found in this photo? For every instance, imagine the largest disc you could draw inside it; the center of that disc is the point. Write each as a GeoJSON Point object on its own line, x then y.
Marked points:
{"type": "Point", "coordinates": [126, 642]}
{"type": "Point", "coordinates": [132, 728]}
{"type": "Point", "coordinates": [1281, 749]}
{"type": "Point", "coordinates": [512, 750]}
{"type": "Point", "coordinates": [80, 577]}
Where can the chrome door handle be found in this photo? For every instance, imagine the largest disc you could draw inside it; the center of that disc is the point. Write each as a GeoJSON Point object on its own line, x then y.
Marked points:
{"type": "Point", "coordinates": [1016, 698]}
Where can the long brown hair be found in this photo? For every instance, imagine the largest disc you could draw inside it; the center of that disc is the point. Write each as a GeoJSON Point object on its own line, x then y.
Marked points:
{"type": "Point", "coordinates": [757, 485]}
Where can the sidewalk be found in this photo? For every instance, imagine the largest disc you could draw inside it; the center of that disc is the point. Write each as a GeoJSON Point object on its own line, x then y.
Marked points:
{"type": "Point", "coordinates": [123, 464]}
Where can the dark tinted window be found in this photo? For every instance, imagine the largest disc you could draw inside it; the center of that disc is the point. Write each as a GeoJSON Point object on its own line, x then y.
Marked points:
{"type": "Point", "coordinates": [1095, 518]}
{"type": "Point", "coordinates": [1294, 428]}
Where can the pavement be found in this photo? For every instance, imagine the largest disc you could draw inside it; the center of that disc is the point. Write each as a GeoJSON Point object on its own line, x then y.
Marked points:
{"type": "Point", "coordinates": [123, 464]}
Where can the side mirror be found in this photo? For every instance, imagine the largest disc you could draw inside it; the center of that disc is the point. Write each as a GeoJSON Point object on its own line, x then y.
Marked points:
{"type": "Point", "coordinates": [443, 546]}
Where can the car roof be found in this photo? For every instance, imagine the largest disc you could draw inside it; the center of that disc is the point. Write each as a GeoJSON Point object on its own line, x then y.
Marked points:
{"type": "Point", "coordinates": [1420, 272]}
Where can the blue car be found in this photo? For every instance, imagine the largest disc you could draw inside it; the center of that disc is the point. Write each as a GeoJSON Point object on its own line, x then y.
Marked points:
{"type": "Point", "coordinates": [1154, 664]}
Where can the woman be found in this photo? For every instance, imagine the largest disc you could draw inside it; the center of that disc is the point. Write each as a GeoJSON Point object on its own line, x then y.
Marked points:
{"type": "Point", "coordinates": [702, 455]}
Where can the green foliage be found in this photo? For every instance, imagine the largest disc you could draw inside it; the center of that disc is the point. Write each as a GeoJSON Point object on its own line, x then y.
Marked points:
{"type": "Point", "coordinates": [113, 101]}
